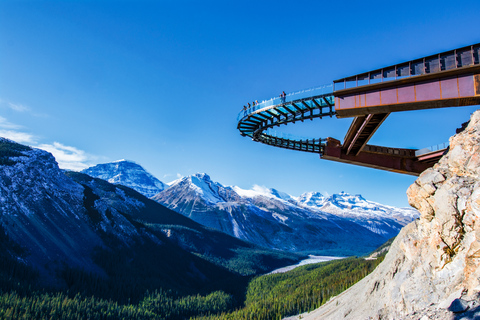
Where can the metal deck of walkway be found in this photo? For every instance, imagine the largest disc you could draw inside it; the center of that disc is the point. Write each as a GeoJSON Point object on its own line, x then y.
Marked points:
{"type": "Point", "coordinates": [446, 79]}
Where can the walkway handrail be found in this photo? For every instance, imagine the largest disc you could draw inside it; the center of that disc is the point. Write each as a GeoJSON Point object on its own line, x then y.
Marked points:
{"type": "Point", "coordinates": [434, 148]}
{"type": "Point", "coordinates": [257, 122]}
{"type": "Point", "coordinates": [310, 92]}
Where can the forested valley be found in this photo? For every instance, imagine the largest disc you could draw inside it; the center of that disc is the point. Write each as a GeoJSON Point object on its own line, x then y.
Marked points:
{"type": "Point", "coordinates": [272, 296]}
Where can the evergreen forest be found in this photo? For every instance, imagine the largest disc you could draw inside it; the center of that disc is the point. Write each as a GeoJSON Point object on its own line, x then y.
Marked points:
{"type": "Point", "coordinates": [272, 296]}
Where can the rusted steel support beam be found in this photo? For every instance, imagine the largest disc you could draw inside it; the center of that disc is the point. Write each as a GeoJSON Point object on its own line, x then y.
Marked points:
{"type": "Point", "coordinates": [356, 135]}
{"type": "Point", "coordinates": [353, 129]}
{"type": "Point", "coordinates": [434, 104]}
{"type": "Point", "coordinates": [431, 157]}
{"type": "Point", "coordinates": [361, 130]}
{"type": "Point", "coordinates": [383, 161]}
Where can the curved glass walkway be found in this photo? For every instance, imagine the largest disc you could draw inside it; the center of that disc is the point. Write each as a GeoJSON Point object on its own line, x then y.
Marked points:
{"type": "Point", "coordinates": [258, 120]}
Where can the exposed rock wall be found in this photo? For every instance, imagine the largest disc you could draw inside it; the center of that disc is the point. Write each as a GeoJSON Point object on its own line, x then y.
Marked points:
{"type": "Point", "coordinates": [434, 260]}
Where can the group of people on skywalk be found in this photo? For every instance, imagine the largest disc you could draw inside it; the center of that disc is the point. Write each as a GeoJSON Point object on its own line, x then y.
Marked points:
{"type": "Point", "coordinates": [283, 96]}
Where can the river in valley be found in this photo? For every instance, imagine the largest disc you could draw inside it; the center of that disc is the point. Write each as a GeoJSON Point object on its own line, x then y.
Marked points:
{"type": "Point", "coordinates": [311, 259]}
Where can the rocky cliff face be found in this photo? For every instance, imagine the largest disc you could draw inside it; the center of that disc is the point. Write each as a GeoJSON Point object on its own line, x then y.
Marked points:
{"type": "Point", "coordinates": [433, 267]}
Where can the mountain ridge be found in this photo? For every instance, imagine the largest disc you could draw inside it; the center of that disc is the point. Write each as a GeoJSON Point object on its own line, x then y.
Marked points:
{"type": "Point", "coordinates": [249, 214]}
{"type": "Point", "coordinates": [127, 173]}
{"type": "Point", "coordinates": [269, 217]}
{"type": "Point", "coordinates": [84, 234]}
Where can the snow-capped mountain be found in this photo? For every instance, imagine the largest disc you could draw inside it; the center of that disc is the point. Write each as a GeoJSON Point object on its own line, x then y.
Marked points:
{"type": "Point", "coordinates": [373, 216]}
{"type": "Point", "coordinates": [337, 224]}
{"type": "Point", "coordinates": [129, 174]}
{"type": "Point", "coordinates": [269, 217]}
{"type": "Point", "coordinates": [55, 221]}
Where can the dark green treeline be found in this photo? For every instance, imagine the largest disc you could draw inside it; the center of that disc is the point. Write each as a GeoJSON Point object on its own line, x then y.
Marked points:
{"type": "Point", "coordinates": [300, 290]}
{"type": "Point", "coordinates": [267, 297]}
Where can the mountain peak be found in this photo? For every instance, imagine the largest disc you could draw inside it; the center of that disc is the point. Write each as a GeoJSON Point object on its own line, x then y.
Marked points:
{"type": "Point", "coordinates": [312, 198]}
{"type": "Point", "coordinates": [202, 176]}
{"type": "Point", "coordinates": [262, 191]}
{"type": "Point", "coordinates": [127, 173]}
{"type": "Point", "coordinates": [123, 160]}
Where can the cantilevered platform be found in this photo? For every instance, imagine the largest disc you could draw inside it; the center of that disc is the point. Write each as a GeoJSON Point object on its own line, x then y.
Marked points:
{"type": "Point", "coordinates": [448, 79]}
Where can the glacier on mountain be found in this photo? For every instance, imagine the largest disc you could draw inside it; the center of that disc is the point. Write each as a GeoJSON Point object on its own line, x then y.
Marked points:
{"type": "Point", "coordinates": [129, 174]}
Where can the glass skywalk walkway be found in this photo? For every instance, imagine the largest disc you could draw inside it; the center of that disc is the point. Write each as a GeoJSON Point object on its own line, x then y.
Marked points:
{"type": "Point", "coordinates": [462, 65]}
{"type": "Point", "coordinates": [256, 122]}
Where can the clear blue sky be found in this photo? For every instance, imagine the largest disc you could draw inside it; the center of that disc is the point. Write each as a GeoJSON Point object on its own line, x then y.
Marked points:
{"type": "Point", "coordinates": [161, 82]}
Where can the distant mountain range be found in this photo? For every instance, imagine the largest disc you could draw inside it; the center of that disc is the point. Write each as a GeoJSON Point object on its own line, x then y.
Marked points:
{"type": "Point", "coordinates": [340, 224]}
{"type": "Point", "coordinates": [72, 230]}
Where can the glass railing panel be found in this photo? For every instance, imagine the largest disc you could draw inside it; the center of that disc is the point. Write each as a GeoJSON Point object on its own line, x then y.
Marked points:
{"type": "Point", "coordinates": [340, 85]}
{"type": "Point", "coordinates": [418, 68]}
{"type": "Point", "coordinates": [276, 101]}
{"type": "Point", "coordinates": [375, 77]}
{"type": "Point", "coordinates": [325, 89]}
{"type": "Point", "coordinates": [241, 114]}
{"type": "Point", "coordinates": [299, 95]}
{"type": "Point", "coordinates": [389, 74]}
{"type": "Point", "coordinates": [448, 61]}
{"type": "Point", "coordinates": [434, 148]}
{"type": "Point", "coordinates": [432, 64]}
{"type": "Point", "coordinates": [262, 105]}
{"type": "Point", "coordinates": [363, 79]}
{"type": "Point", "coordinates": [350, 82]}
{"type": "Point", "coordinates": [310, 92]}
{"type": "Point", "coordinates": [403, 70]}
{"type": "Point", "coordinates": [464, 57]}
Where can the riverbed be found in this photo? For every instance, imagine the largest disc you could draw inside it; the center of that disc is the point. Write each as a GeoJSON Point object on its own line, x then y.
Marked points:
{"type": "Point", "coordinates": [311, 259]}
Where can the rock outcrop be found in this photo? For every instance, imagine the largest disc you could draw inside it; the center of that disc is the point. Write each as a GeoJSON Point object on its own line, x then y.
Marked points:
{"type": "Point", "coordinates": [432, 270]}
